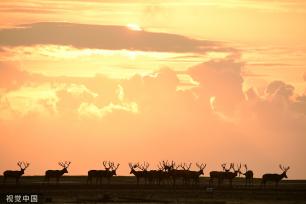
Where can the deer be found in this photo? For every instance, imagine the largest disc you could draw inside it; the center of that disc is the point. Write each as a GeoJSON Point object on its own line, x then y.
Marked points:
{"type": "Point", "coordinates": [185, 173]}
{"type": "Point", "coordinates": [137, 174]}
{"type": "Point", "coordinates": [57, 173]}
{"type": "Point", "coordinates": [161, 174]}
{"type": "Point", "coordinates": [16, 174]}
{"type": "Point", "coordinates": [98, 174]}
{"type": "Point", "coordinates": [164, 169]}
{"type": "Point", "coordinates": [176, 173]}
{"type": "Point", "coordinates": [112, 172]}
{"type": "Point", "coordinates": [218, 175]}
{"type": "Point", "coordinates": [195, 175]}
{"type": "Point", "coordinates": [146, 174]}
{"type": "Point", "coordinates": [275, 177]}
{"type": "Point", "coordinates": [231, 175]}
{"type": "Point", "coordinates": [248, 175]}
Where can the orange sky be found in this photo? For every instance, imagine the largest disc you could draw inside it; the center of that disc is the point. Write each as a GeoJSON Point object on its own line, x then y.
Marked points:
{"type": "Point", "coordinates": [152, 80]}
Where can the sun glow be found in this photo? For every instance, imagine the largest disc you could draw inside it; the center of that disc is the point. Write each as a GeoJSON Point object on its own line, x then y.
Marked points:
{"type": "Point", "coordinates": [133, 26]}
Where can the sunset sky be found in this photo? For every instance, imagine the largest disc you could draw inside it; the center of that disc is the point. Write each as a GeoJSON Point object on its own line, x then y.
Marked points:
{"type": "Point", "coordinates": [138, 80]}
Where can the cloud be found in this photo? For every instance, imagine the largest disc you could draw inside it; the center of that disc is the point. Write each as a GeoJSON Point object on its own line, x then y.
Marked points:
{"type": "Point", "coordinates": [120, 119]}
{"type": "Point", "coordinates": [88, 110]}
{"type": "Point", "coordinates": [220, 79]}
{"type": "Point", "coordinates": [279, 88]}
{"type": "Point", "coordinates": [108, 37]}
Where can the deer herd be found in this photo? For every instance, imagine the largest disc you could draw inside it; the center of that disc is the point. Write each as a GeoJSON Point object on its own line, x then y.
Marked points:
{"type": "Point", "coordinates": [165, 173]}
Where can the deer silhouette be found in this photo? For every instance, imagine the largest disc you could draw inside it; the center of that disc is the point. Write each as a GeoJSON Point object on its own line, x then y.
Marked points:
{"type": "Point", "coordinates": [177, 172]}
{"type": "Point", "coordinates": [275, 177]}
{"type": "Point", "coordinates": [157, 176]}
{"type": "Point", "coordinates": [248, 175]}
{"type": "Point", "coordinates": [16, 174]}
{"type": "Point", "coordinates": [98, 174]}
{"type": "Point", "coordinates": [112, 172]}
{"type": "Point", "coordinates": [163, 172]}
{"type": "Point", "coordinates": [57, 173]}
{"type": "Point", "coordinates": [137, 174]}
{"type": "Point", "coordinates": [194, 176]}
{"type": "Point", "coordinates": [231, 175]}
{"type": "Point", "coordinates": [219, 175]}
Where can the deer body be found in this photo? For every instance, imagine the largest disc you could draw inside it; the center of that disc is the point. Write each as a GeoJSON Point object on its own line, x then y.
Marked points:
{"type": "Point", "coordinates": [57, 173]}
{"type": "Point", "coordinates": [219, 175]}
{"type": "Point", "coordinates": [248, 175]}
{"type": "Point", "coordinates": [15, 174]}
{"type": "Point", "coordinates": [215, 175]}
{"type": "Point", "coordinates": [110, 170]}
{"type": "Point", "coordinates": [231, 175]}
{"type": "Point", "coordinates": [275, 177]}
{"type": "Point", "coordinates": [195, 175]}
{"type": "Point", "coordinates": [138, 174]}
{"type": "Point", "coordinates": [98, 174]}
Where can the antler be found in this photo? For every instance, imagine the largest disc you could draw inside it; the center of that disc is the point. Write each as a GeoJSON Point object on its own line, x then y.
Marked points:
{"type": "Point", "coordinates": [113, 166]}
{"type": "Point", "coordinates": [67, 164]}
{"type": "Point", "coordinates": [132, 166]}
{"type": "Point", "coordinates": [246, 167]}
{"type": "Point", "coordinates": [201, 166]}
{"type": "Point", "coordinates": [64, 164]}
{"type": "Point", "coordinates": [185, 166]}
{"type": "Point", "coordinates": [19, 164]}
{"type": "Point", "coordinates": [107, 165]}
{"type": "Point", "coordinates": [26, 164]}
{"type": "Point", "coordinates": [160, 166]}
{"type": "Point", "coordinates": [188, 166]}
{"type": "Point", "coordinates": [224, 167]}
{"type": "Point", "coordinates": [144, 166]}
{"type": "Point", "coordinates": [233, 167]}
{"type": "Point", "coordinates": [283, 168]}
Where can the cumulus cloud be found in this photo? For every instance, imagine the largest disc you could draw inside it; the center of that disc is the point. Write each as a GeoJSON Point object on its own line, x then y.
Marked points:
{"type": "Point", "coordinates": [120, 119]}
{"type": "Point", "coordinates": [279, 88]}
{"type": "Point", "coordinates": [222, 80]}
{"type": "Point", "coordinates": [103, 37]}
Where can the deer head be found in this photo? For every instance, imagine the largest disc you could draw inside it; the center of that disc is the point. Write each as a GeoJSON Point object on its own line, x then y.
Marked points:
{"type": "Point", "coordinates": [133, 166]}
{"type": "Point", "coordinates": [65, 165]}
{"type": "Point", "coordinates": [107, 165]}
{"type": "Point", "coordinates": [236, 170]}
{"type": "Point", "coordinates": [160, 166]}
{"type": "Point", "coordinates": [246, 170]}
{"type": "Point", "coordinates": [224, 167]}
{"type": "Point", "coordinates": [144, 166]}
{"type": "Point", "coordinates": [201, 167]}
{"type": "Point", "coordinates": [113, 168]}
{"type": "Point", "coordinates": [23, 166]}
{"type": "Point", "coordinates": [284, 169]}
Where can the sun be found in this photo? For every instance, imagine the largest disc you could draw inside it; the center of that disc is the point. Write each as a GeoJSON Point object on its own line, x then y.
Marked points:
{"type": "Point", "coordinates": [134, 26]}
